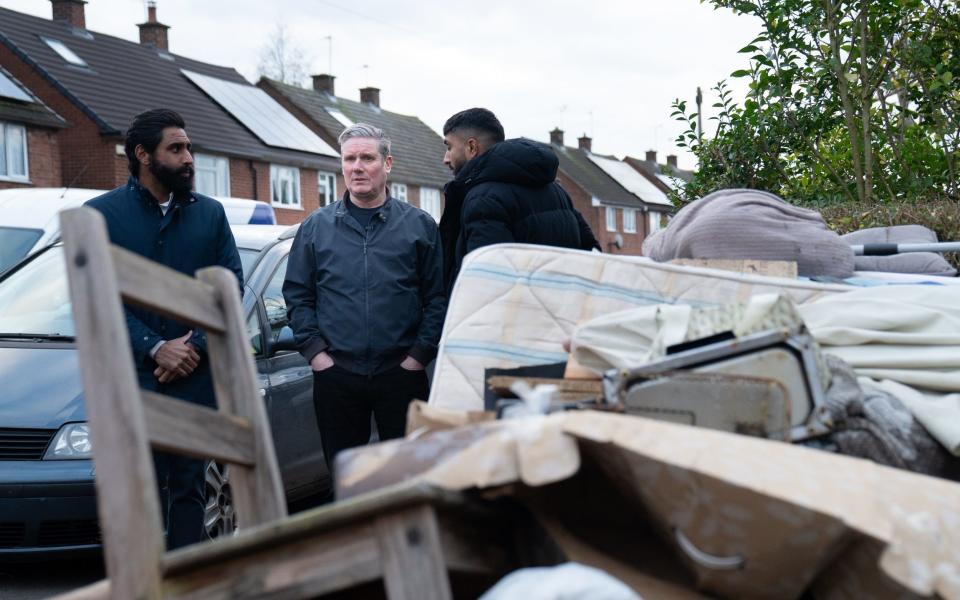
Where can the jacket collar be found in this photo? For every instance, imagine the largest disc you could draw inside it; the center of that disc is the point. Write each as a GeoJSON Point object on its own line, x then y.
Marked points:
{"type": "Point", "coordinates": [133, 183]}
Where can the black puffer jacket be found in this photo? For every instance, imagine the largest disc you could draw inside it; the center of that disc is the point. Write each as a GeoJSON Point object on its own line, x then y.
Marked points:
{"type": "Point", "coordinates": [509, 194]}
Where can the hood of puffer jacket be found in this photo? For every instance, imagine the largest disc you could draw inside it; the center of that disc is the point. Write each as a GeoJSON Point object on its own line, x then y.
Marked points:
{"type": "Point", "coordinates": [520, 162]}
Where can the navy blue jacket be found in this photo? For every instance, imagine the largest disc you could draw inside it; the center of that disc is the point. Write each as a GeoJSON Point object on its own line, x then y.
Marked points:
{"type": "Point", "coordinates": [367, 297]}
{"type": "Point", "coordinates": [509, 194]}
{"type": "Point", "coordinates": [194, 234]}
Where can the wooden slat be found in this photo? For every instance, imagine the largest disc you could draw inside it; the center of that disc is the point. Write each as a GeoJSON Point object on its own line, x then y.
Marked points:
{"type": "Point", "coordinates": [154, 287]}
{"type": "Point", "coordinates": [584, 387]}
{"type": "Point", "coordinates": [257, 491]}
{"type": "Point", "coordinates": [177, 426]}
{"type": "Point", "coordinates": [127, 498]}
{"type": "Point", "coordinates": [412, 556]}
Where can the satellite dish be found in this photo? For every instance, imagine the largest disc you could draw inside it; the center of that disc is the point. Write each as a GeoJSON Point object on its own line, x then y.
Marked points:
{"type": "Point", "coordinates": [618, 241]}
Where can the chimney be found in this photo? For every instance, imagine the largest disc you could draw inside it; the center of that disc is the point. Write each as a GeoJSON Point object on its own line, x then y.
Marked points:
{"type": "Point", "coordinates": [70, 12]}
{"type": "Point", "coordinates": [556, 137]}
{"type": "Point", "coordinates": [324, 83]}
{"type": "Point", "coordinates": [153, 32]}
{"type": "Point", "coordinates": [652, 156]}
{"type": "Point", "coordinates": [585, 143]}
{"type": "Point", "coordinates": [370, 95]}
{"type": "Point", "coordinates": [672, 160]}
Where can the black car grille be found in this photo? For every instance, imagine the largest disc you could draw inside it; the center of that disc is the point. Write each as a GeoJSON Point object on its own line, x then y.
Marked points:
{"type": "Point", "coordinates": [50, 534]}
{"type": "Point", "coordinates": [24, 444]}
{"type": "Point", "coordinates": [12, 534]}
{"type": "Point", "coordinates": [68, 533]}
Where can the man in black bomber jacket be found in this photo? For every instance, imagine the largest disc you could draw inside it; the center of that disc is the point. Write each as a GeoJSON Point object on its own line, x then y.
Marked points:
{"type": "Point", "coordinates": [503, 191]}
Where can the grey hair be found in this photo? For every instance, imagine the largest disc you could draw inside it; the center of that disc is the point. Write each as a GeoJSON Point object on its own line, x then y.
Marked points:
{"type": "Point", "coordinates": [363, 130]}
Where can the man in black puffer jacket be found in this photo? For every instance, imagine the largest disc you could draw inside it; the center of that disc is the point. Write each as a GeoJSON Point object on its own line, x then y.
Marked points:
{"type": "Point", "coordinates": [503, 191]}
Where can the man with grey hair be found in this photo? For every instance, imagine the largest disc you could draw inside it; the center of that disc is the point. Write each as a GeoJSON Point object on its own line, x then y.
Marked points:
{"type": "Point", "coordinates": [365, 299]}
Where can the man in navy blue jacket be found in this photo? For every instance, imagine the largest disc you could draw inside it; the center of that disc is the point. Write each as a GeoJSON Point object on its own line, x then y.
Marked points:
{"type": "Point", "coordinates": [157, 216]}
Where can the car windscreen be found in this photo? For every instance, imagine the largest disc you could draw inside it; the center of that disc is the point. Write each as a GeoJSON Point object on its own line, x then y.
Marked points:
{"type": "Point", "coordinates": [36, 299]}
{"type": "Point", "coordinates": [247, 258]}
{"type": "Point", "coordinates": [15, 242]}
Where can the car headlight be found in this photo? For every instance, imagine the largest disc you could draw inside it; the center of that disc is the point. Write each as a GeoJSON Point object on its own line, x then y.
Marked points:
{"type": "Point", "coordinates": [71, 442]}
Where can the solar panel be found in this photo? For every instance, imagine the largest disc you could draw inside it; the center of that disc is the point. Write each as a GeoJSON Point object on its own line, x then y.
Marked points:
{"type": "Point", "coordinates": [629, 178]}
{"type": "Point", "coordinates": [8, 89]}
{"type": "Point", "coordinates": [261, 114]}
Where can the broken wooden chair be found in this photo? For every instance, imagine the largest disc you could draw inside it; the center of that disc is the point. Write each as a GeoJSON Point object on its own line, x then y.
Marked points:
{"type": "Point", "coordinates": [404, 543]}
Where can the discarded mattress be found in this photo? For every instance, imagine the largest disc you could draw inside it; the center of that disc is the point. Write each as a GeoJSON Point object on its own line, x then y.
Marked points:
{"type": "Point", "coordinates": [750, 224]}
{"type": "Point", "coordinates": [515, 305]}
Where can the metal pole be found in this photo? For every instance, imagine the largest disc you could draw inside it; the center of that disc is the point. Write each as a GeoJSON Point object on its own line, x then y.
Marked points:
{"type": "Point", "coordinates": [888, 249]}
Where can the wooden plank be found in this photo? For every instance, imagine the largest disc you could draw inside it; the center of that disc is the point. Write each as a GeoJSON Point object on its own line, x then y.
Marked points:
{"type": "Point", "coordinates": [258, 490]}
{"type": "Point", "coordinates": [185, 428]}
{"type": "Point", "coordinates": [127, 499]}
{"type": "Point", "coordinates": [95, 591]}
{"type": "Point", "coordinates": [582, 387]}
{"type": "Point", "coordinates": [313, 523]}
{"type": "Point", "coordinates": [154, 287]}
{"type": "Point", "coordinates": [412, 555]}
{"type": "Point", "coordinates": [309, 568]}
{"type": "Point", "coordinates": [770, 268]}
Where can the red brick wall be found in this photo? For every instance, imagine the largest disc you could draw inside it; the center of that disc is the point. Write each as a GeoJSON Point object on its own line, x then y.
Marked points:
{"type": "Point", "coordinates": [596, 217]}
{"type": "Point", "coordinates": [43, 160]}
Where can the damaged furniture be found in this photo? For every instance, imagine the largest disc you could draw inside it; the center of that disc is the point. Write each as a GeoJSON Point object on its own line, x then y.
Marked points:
{"type": "Point", "coordinates": [409, 542]}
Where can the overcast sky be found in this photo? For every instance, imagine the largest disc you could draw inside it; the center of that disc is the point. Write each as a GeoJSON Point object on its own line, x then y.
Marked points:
{"type": "Point", "coordinates": [608, 68]}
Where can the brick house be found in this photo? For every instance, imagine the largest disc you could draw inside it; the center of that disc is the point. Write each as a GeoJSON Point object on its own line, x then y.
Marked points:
{"type": "Point", "coordinates": [97, 83]}
{"type": "Point", "coordinates": [418, 173]}
{"type": "Point", "coordinates": [608, 206]}
{"type": "Point", "coordinates": [29, 150]}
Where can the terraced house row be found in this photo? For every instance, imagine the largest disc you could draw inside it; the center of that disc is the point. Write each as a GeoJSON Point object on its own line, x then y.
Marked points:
{"type": "Point", "coordinates": [68, 92]}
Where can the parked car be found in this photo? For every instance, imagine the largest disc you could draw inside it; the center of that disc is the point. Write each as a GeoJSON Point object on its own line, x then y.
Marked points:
{"type": "Point", "coordinates": [28, 217]}
{"type": "Point", "coordinates": [47, 502]}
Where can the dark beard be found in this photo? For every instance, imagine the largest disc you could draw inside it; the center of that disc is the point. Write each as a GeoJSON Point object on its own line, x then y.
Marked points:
{"type": "Point", "coordinates": [173, 179]}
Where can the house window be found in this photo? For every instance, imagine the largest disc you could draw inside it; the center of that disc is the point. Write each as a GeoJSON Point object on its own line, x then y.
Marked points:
{"type": "Point", "coordinates": [656, 221]}
{"type": "Point", "coordinates": [611, 218]}
{"type": "Point", "coordinates": [399, 191]}
{"type": "Point", "coordinates": [65, 52]}
{"type": "Point", "coordinates": [13, 152]}
{"type": "Point", "coordinates": [327, 184]}
{"type": "Point", "coordinates": [430, 202]}
{"type": "Point", "coordinates": [285, 186]}
{"type": "Point", "coordinates": [213, 174]}
{"type": "Point", "coordinates": [629, 220]}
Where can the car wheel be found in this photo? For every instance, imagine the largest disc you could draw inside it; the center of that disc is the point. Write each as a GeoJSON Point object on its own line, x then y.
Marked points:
{"type": "Point", "coordinates": [218, 516]}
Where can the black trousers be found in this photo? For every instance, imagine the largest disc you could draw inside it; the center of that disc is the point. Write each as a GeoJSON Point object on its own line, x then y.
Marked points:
{"type": "Point", "coordinates": [345, 400]}
{"type": "Point", "coordinates": [182, 497]}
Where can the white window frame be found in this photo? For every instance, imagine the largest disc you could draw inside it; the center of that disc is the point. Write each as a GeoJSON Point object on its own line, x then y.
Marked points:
{"type": "Point", "coordinates": [654, 221]}
{"type": "Point", "coordinates": [284, 175]}
{"type": "Point", "coordinates": [430, 202]}
{"type": "Point", "coordinates": [327, 181]}
{"type": "Point", "coordinates": [611, 217]}
{"type": "Point", "coordinates": [7, 156]}
{"type": "Point", "coordinates": [219, 167]}
{"type": "Point", "coordinates": [399, 191]}
{"type": "Point", "coordinates": [629, 220]}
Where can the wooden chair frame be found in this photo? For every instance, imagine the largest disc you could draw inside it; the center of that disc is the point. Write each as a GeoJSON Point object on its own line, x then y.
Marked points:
{"type": "Point", "coordinates": [410, 536]}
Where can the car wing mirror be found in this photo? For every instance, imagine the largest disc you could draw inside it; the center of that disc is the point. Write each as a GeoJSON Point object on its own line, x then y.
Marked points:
{"type": "Point", "coordinates": [284, 341]}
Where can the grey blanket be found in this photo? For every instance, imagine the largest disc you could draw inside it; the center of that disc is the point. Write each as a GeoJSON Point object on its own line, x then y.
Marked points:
{"type": "Point", "coordinates": [875, 425]}
{"type": "Point", "coordinates": [750, 224]}
{"type": "Point", "coordinates": [921, 263]}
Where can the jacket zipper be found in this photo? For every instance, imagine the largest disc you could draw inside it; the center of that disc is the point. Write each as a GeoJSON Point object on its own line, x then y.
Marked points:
{"type": "Point", "coordinates": [366, 300]}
